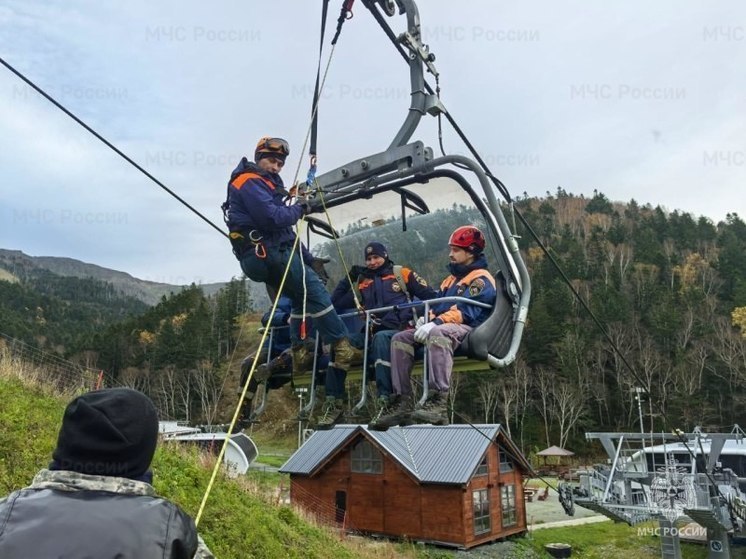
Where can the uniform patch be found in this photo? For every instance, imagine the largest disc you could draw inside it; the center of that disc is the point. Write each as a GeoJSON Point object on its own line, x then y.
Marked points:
{"type": "Point", "coordinates": [420, 280]}
{"type": "Point", "coordinates": [476, 287]}
{"type": "Point", "coordinates": [460, 290]}
{"type": "Point", "coordinates": [395, 287]}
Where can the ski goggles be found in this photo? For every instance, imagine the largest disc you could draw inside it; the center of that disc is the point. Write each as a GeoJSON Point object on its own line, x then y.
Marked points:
{"type": "Point", "coordinates": [273, 145]}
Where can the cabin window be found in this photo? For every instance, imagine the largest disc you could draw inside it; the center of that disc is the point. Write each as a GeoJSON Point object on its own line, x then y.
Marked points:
{"type": "Point", "coordinates": [481, 502]}
{"type": "Point", "coordinates": [506, 464]}
{"type": "Point", "coordinates": [366, 459]}
{"type": "Point", "coordinates": [482, 469]}
{"type": "Point", "coordinates": [507, 494]}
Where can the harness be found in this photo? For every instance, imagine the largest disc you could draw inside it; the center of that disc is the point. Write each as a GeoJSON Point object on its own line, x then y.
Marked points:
{"type": "Point", "coordinates": [243, 239]}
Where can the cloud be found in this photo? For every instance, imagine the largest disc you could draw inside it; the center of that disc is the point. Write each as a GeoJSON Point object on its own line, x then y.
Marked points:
{"type": "Point", "coordinates": [550, 94]}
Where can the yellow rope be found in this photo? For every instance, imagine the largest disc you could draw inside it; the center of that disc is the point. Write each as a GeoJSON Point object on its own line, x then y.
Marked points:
{"type": "Point", "coordinates": [358, 304]}
{"type": "Point", "coordinates": [296, 247]}
{"type": "Point", "coordinates": [243, 392]}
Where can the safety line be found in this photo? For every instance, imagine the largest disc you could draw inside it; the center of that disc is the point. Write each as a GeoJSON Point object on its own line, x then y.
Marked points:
{"type": "Point", "coordinates": [504, 191]}
{"type": "Point", "coordinates": [110, 145]}
{"type": "Point", "coordinates": [245, 389]}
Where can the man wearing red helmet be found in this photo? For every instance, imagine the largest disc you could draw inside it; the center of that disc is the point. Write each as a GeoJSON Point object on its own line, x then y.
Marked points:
{"type": "Point", "coordinates": [261, 222]}
{"type": "Point", "coordinates": [447, 325]}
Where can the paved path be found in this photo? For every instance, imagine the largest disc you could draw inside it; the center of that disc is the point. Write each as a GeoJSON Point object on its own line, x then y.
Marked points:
{"type": "Point", "coordinates": [571, 522]}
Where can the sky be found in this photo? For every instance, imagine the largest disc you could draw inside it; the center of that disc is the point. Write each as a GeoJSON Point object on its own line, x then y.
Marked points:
{"type": "Point", "coordinates": [638, 100]}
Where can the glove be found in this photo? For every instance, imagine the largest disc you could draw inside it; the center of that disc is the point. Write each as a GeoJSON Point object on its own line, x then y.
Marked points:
{"type": "Point", "coordinates": [317, 265]}
{"type": "Point", "coordinates": [420, 322]}
{"type": "Point", "coordinates": [305, 207]}
{"type": "Point", "coordinates": [355, 271]}
{"type": "Point", "coordinates": [421, 334]}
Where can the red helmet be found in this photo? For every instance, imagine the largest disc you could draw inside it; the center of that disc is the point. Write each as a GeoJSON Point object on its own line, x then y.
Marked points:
{"type": "Point", "coordinates": [469, 238]}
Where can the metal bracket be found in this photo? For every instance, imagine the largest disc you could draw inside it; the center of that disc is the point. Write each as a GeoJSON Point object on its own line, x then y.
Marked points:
{"type": "Point", "coordinates": [393, 159]}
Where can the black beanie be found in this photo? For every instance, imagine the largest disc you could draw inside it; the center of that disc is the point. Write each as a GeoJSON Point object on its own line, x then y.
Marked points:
{"type": "Point", "coordinates": [374, 247]}
{"type": "Point", "coordinates": [110, 432]}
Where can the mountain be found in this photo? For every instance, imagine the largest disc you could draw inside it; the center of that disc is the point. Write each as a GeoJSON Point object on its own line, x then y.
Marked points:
{"type": "Point", "coordinates": [14, 264]}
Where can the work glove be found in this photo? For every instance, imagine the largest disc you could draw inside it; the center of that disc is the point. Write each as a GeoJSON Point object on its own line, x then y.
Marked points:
{"type": "Point", "coordinates": [355, 271]}
{"type": "Point", "coordinates": [421, 334]}
{"type": "Point", "coordinates": [305, 206]}
{"type": "Point", "coordinates": [420, 322]}
{"type": "Point", "coordinates": [317, 265]}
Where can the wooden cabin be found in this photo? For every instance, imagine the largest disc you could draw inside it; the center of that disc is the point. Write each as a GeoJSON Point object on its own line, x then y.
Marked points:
{"type": "Point", "coordinates": [458, 485]}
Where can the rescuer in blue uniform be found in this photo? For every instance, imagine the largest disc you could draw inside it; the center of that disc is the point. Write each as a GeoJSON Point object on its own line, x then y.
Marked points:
{"type": "Point", "coordinates": [261, 222]}
{"type": "Point", "coordinates": [378, 284]}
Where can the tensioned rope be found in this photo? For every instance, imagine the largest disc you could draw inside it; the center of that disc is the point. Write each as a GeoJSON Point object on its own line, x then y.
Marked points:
{"type": "Point", "coordinates": [506, 194]}
{"type": "Point", "coordinates": [119, 152]}
{"type": "Point", "coordinates": [296, 247]}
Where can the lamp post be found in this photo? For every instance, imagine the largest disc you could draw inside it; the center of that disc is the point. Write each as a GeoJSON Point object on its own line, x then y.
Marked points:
{"type": "Point", "coordinates": [638, 396]}
{"type": "Point", "coordinates": [300, 392]}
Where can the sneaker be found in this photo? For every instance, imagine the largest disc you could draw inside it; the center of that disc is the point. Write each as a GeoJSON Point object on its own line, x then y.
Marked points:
{"type": "Point", "coordinates": [332, 412]}
{"type": "Point", "coordinates": [302, 359]}
{"type": "Point", "coordinates": [396, 411]}
{"type": "Point", "coordinates": [434, 411]}
{"type": "Point", "coordinates": [345, 355]}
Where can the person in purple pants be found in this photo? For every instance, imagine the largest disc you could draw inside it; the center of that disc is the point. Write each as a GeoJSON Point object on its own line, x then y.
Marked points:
{"type": "Point", "coordinates": [447, 325]}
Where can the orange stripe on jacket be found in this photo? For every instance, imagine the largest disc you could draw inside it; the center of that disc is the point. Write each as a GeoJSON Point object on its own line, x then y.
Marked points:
{"type": "Point", "coordinates": [241, 179]}
{"type": "Point", "coordinates": [454, 315]}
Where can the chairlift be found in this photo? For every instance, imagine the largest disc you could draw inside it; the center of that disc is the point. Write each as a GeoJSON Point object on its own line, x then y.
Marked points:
{"type": "Point", "coordinates": [410, 171]}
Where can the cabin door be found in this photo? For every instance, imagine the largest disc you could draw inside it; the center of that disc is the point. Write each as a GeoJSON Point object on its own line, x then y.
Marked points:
{"type": "Point", "coordinates": [340, 504]}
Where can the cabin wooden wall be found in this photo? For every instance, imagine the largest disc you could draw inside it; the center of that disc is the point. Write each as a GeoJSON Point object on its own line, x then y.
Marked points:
{"type": "Point", "coordinates": [493, 482]}
{"type": "Point", "coordinates": [394, 503]}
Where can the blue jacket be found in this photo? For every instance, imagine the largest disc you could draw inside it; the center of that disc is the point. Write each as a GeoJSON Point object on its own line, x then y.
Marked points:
{"type": "Point", "coordinates": [281, 336]}
{"type": "Point", "coordinates": [256, 202]}
{"type": "Point", "coordinates": [472, 282]}
{"type": "Point", "coordinates": [379, 288]}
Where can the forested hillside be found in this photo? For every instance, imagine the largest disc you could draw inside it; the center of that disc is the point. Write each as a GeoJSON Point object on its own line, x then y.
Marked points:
{"type": "Point", "coordinates": [668, 288]}
{"type": "Point", "coordinates": [61, 314]}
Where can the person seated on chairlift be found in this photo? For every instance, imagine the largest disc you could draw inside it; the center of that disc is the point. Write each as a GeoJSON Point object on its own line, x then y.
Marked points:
{"type": "Point", "coordinates": [380, 283]}
{"type": "Point", "coordinates": [442, 332]}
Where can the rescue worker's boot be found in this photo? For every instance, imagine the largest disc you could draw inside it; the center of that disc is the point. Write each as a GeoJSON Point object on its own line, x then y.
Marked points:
{"type": "Point", "coordinates": [345, 354]}
{"type": "Point", "coordinates": [332, 412]}
{"type": "Point", "coordinates": [434, 411]}
{"type": "Point", "coordinates": [308, 415]}
{"type": "Point", "coordinates": [302, 359]}
{"type": "Point", "coordinates": [397, 411]}
{"type": "Point", "coordinates": [276, 365]}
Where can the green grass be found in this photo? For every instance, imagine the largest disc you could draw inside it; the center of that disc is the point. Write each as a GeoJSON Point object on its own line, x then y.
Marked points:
{"type": "Point", "coordinates": [242, 518]}
{"type": "Point", "coordinates": [274, 460]}
{"type": "Point", "coordinates": [608, 540]}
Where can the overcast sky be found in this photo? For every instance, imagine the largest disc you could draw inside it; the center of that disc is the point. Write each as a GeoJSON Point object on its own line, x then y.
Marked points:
{"type": "Point", "coordinates": [642, 100]}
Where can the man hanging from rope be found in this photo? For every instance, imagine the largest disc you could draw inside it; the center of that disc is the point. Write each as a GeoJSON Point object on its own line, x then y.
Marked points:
{"type": "Point", "coordinates": [261, 232]}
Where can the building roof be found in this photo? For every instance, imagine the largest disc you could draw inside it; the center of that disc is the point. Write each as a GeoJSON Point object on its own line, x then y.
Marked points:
{"type": "Point", "coordinates": [555, 451]}
{"type": "Point", "coordinates": [448, 454]}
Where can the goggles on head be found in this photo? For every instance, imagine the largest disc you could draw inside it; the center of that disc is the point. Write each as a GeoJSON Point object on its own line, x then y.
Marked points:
{"type": "Point", "coordinates": [273, 145]}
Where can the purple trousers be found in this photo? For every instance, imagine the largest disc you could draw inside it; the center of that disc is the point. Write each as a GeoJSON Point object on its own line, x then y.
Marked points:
{"type": "Point", "coordinates": [441, 343]}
